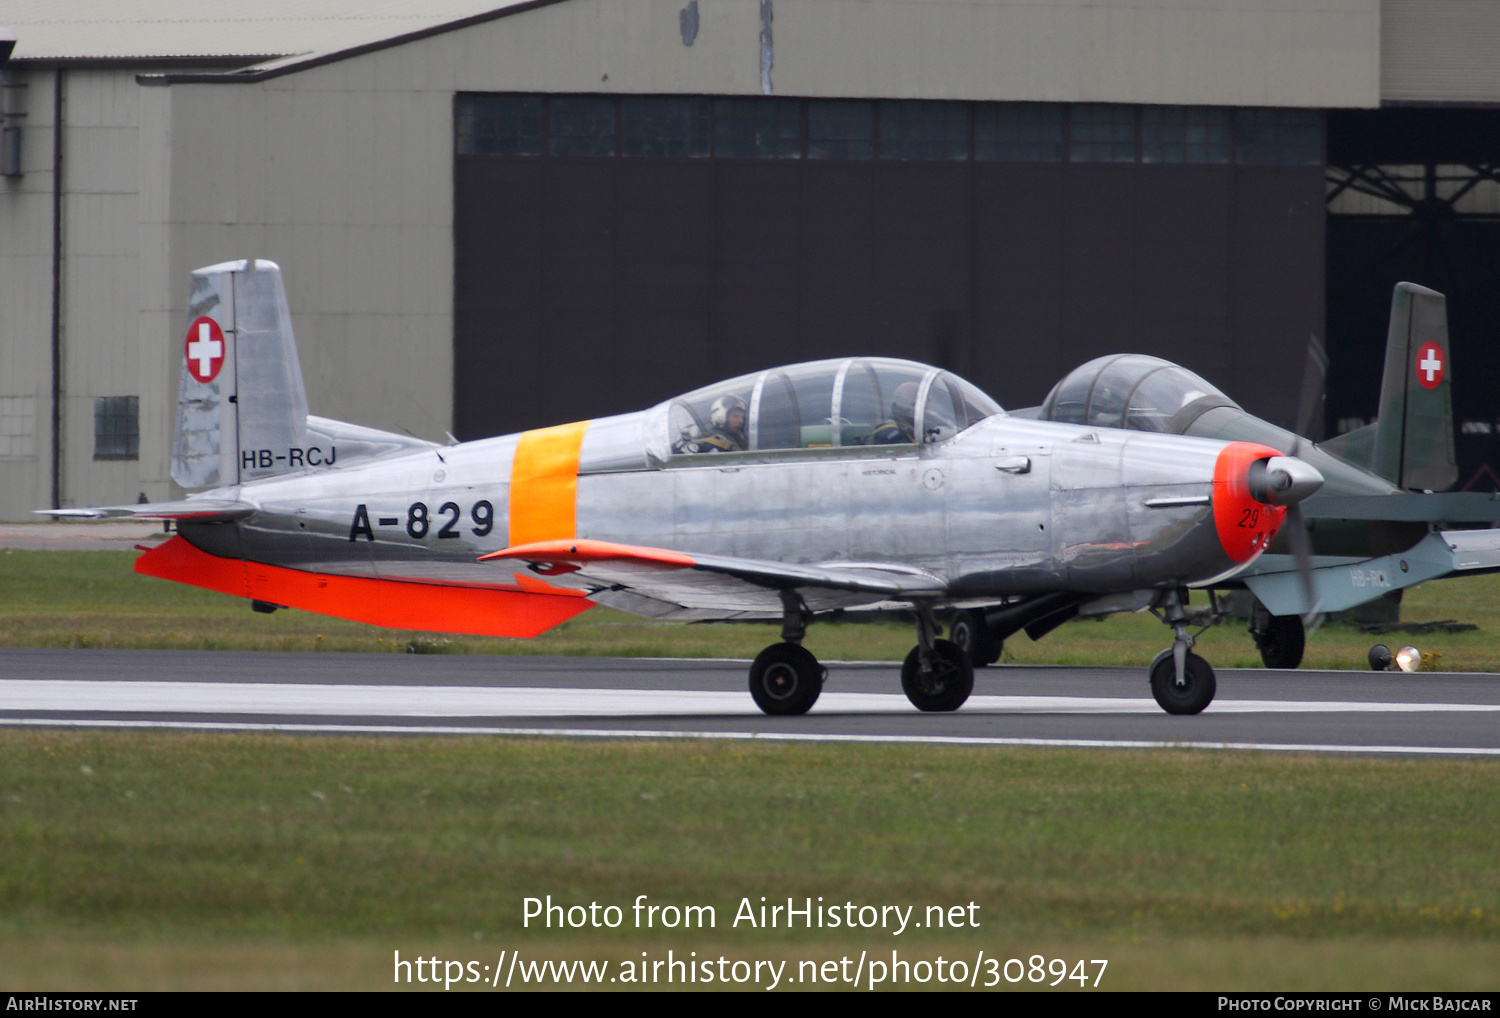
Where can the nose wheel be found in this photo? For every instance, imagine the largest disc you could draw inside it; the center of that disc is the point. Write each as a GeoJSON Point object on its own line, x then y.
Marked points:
{"type": "Point", "coordinates": [1188, 693]}
{"type": "Point", "coordinates": [1181, 681]}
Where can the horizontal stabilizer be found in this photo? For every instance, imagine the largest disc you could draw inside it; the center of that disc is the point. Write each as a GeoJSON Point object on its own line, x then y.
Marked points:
{"type": "Point", "coordinates": [199, 510]}
{"type": "Point", "coordinates": [1345, 583]}
{"type": "Point", "coordinates": [1439, 507]}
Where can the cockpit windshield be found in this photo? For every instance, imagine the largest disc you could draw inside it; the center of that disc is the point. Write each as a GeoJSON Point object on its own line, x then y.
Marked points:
{"type": "Point", "coordinates": [855, 401]}
{"type": "Point", "coordinates": [1131, 391]}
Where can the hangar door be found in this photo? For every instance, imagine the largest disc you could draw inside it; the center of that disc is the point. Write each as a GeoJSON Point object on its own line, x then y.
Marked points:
{"type": "Point", "coordinates": [612, 251]}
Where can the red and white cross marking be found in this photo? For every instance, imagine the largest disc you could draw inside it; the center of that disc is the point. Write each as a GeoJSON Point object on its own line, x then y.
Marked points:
{"type": "Point", "coordinates": [205, 349]}
{"type": "Point", "coordinates": [1430, 365]}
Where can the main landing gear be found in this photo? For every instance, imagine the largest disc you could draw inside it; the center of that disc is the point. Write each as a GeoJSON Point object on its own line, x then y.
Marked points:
{"type": "Point", "coordinates": [937, 675]}
{"type": "Point", "coordinates": [785, 678]}
{"type": "Point", "coordinates": [1181, 681]}
{"type": "Point", "coordinates": [1281, 639]}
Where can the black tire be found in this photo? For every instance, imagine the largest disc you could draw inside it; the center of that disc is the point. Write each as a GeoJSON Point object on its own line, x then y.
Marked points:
{"type": "Point", "coordinates": [947, 686]}
{"type": "Point", "coordinates": [974, 638]}
{"type": "Point", "coordinates": [1193, 695]}
{"type": "Point", "coordinates": [1282, 642]}
{"type": "Point", "coordinates": [785, 679]}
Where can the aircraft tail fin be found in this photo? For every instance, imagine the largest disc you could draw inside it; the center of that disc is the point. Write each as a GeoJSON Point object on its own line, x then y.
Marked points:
{"type": "Point", "coordinates": [1411, 442]}
{"type": "Point", "coordinates": [241, 407]}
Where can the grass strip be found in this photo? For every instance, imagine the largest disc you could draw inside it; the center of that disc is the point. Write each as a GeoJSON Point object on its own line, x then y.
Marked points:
{"type": "Point", "coordinates": [141, 847]}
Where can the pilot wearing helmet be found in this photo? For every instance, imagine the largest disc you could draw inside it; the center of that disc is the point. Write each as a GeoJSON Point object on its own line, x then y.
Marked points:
{"type": "Point", "coordinates": [727, 420]}
{"type": "Point", "coordinates": [901, 428]}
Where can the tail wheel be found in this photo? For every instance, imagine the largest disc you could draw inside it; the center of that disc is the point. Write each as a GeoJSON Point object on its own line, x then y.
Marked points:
{"type": "Point", "coordinates": [945, 685]}
{"type": "Point", "coordinates": [1192, 694]}
{"type": "Point", "coordinates": [974, 638]}
{"type": "Point", "coordinates": [786, 679]}
{"type": "Point", "coordinates": [1282, 641]}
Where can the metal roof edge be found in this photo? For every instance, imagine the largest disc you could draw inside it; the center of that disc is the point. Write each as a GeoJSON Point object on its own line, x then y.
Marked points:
{"type": "Point", "coordinates": [320, 59]}
{"type": "Point", "coordinates": [95, 63]}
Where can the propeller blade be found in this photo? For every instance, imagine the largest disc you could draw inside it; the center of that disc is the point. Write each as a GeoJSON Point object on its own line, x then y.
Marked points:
{"type": "Point", "coordinates": [1301, 543]}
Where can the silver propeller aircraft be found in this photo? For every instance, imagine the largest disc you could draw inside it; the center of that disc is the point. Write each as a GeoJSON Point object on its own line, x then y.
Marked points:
{"type": "Point", "coordinates": [840, 484]}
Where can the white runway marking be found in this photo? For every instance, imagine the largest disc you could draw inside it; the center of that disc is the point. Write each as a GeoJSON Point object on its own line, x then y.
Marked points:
{"type": "Point", "coordinates": [519, 701]}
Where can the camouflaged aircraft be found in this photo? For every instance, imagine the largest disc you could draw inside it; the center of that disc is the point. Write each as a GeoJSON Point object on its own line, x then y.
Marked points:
{"type": "Point", "coordinates": [859, 482]}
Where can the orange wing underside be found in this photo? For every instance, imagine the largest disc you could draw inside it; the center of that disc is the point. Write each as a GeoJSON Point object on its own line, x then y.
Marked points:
{"type": "Point", "coordinates": [393, 603]}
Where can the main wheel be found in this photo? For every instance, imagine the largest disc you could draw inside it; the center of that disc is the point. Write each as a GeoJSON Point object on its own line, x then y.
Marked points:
{"type": "Point", "coordinates": [1195, 692]}
{"type": "Point", "coordinates": [946, 686]}
{"type": "Point", "coordinates": [785, 679]}
{"type": "Point", "coordinates": [1282, 642]}
{"type": "Point", "coordinates": [973, 637]}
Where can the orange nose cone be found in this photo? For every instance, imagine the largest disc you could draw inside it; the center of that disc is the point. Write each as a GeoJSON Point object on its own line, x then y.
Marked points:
{"type": "Point", "coordinates": [1245, 526]}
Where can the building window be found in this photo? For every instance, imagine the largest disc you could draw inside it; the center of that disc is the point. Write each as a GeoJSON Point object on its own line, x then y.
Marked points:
{"type": "Point", "coordinates": [758, 128]}
{"type": "Point", "coordinates": [917, 130]}
{"type": "Point", "coordinates": [667, 127]}
{"type": "Point", "coordinates": [1019, 132]}
{"type": "Point", "coordinates": [581, 126]}
{"type": "Point", "coordinates": [840, 129]}
{"type": "Point", "coordinates": [117, 428]}
{"type": "Point", "coordinates": [1185, 134]}
{"type": "Point", "coordinates": [1278, 137]}
{"type": "Point", "coordinates": [500, 125]}
{"type": "Point", "coordinates": [1102, 133]}
{"type": "Point", "coordinates": [924, 130]}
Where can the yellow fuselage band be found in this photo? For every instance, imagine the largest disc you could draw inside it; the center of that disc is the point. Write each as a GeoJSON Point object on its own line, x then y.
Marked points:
{"type": "Point", "coordinates": [544, 484]}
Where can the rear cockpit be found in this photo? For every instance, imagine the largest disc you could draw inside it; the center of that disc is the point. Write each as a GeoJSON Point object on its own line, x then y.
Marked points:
{"type": "Point", "coordinates": [844, 403]}
{"type": "Point", "coordinates": [1132, 391]}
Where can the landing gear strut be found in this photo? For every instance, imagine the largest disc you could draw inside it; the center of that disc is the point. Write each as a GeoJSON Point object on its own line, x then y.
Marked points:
{"type": "Point", "coordinates": [1181, 681]}
{"type": "Point", "coordinates": [936, 675]}
{"type": "Point", "coordinates": [785, 677]}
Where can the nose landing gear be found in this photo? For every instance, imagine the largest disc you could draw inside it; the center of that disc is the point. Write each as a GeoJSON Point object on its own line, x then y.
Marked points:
{"type": "Point", "coordinates": [1181, 681]}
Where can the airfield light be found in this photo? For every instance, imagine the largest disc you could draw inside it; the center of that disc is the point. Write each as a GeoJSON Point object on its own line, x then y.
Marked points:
{"type": "Point", "coordinates": [1408, 659]}
{"type": "Point", "coordinates": [1380, 657]}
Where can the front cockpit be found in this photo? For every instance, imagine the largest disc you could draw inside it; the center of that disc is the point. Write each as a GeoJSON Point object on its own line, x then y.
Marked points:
{"type": "Point", "coordinates": [1132, 391]}
{"type": "Point", "coordinates": [843, 403]}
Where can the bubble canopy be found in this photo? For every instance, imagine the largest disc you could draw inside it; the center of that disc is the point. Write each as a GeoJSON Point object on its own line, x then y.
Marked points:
{"type": "Point", "coordinates": [847, 402]}
{"type": "Point", "coordinates": [1132, 391]}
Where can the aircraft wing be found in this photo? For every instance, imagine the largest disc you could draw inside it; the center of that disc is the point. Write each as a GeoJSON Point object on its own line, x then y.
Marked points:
{"type": "Point", "coordinates": [201, 510]}
{"type": "Point", "coordinates": [1341, 583]}
{"type": "Point", "coordinates": [663, 583]}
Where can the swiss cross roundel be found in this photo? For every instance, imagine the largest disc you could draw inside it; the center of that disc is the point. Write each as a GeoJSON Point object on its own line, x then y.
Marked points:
{"type": "Point", "coordinates": [1431, 364]}
{"type": "Point", "coordinates": [204, 349]}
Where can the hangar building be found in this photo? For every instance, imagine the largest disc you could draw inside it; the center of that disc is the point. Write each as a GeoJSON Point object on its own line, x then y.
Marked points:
{"type": "Point", "coordinates": [494, 216]}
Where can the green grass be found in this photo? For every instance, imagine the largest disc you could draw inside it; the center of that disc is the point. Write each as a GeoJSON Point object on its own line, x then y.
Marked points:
{"type": "Point", "coordinates": [153, 860]}
{"type": "Point", "coordinates": [93, 599]}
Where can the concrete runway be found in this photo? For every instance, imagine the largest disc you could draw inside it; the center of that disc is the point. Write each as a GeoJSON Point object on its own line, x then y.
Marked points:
{"type": "Point", "coordinates": [1337, 712]}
